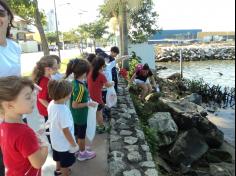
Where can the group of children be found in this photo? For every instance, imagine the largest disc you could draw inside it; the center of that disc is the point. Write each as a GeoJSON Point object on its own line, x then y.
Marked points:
{"type": "Point", "coordinates": [25, 152]}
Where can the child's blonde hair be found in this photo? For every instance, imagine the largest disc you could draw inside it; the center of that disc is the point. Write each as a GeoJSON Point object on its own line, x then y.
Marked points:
{"type": "Point", "coordinates": [39, 70]}
{"type": "Point", "coordinates": [11, 86]}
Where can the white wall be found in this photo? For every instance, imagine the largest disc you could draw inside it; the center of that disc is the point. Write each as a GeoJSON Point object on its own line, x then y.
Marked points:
{"type": "Point", "coordinates": [29, 46]}
{"type": "Point", "coordinates": [145, 51]}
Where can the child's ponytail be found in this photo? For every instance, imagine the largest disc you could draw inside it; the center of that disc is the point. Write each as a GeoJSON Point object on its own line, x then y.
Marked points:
{"type": "Point", "coordinates": [39, 69]}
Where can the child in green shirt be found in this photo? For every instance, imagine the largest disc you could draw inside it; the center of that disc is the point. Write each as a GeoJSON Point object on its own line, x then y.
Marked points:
{"type": "Point", "coordinates": [79, 104]}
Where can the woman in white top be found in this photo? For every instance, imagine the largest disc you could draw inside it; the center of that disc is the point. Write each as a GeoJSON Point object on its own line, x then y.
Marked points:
{"type": "Point", "coordinates": [9, 52]}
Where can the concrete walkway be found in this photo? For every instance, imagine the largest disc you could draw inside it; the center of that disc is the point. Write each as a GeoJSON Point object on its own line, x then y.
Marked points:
{"type": "Point", "coordinates": [95, 167]}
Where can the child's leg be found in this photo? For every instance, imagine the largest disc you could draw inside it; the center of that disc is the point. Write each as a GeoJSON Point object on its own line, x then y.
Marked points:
{"type": "Point", "coordinates": [81, 143]}
{"type": "Point", "coordinates": [65, 171]}
{"type": "Point", "coordinates": [67, 160]}
{"type": "Point", "coordinates": [81, 133]}
{"type": "Point", "coordinates": [100, 115]}
{"type": "Point", "coordinates": [58, 166]}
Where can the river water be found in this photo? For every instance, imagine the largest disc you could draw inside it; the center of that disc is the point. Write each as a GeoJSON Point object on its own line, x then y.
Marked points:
{"type": "Point", "coordinates": [213, 72]}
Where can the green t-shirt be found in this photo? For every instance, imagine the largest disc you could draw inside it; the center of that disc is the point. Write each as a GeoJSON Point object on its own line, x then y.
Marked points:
{"type": "Point", "coordinates": [80, 95]}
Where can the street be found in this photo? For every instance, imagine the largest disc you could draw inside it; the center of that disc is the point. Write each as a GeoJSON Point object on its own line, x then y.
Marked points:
{"type": "Point", "coordinates": [29, 60]}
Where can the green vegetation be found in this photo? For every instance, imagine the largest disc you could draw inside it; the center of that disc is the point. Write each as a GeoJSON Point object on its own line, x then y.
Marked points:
{"type": "Point", "coordinates": [134, 60]}
{"type": "Point", "coordinates": [222, 96]}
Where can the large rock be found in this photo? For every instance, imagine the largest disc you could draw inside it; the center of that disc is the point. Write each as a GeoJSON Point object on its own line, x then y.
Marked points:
{"type": "Point", "coordinates": [181, 106]}
{"type": "Point", "coordinates": [194, 98]}
{"type": "Point", "coordinates": [218, 156]}
{"type": "Point", "coordinates": [189, 147]}
{"type": "Point", "coordinates": [165, 128]}
{"type": "Point", "coordinates": [222, 169]}
{"type": "Point", "coordinates": [187, 115]}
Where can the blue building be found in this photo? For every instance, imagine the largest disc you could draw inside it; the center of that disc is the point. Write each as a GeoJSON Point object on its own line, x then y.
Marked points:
{"type": "Point", "coordinates": [175, 36]}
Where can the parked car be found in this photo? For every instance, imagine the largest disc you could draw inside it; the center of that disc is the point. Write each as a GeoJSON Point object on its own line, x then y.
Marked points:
{"type": "Point", "coordinates": [53, 48]}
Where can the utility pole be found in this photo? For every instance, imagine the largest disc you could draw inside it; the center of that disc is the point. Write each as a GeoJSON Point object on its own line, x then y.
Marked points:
{"type": "Point", "coordinates": [57, 31]}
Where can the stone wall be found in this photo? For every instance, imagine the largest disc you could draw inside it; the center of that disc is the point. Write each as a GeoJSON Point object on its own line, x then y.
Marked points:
{"type": "Point", "coordinates": [196, 53]}
{"type": "Point", "coordinates": [129, 153]}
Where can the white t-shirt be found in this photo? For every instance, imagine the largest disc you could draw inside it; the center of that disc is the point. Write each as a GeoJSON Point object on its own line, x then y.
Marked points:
{"type": "Point", "coordinates": [108, 70]}
{"type": "Point", "coordinates": [60, 118]}
{"type": "Point", "coordinates": [10, 59]}
{"type": "Point", "coordinates": [57, 76]}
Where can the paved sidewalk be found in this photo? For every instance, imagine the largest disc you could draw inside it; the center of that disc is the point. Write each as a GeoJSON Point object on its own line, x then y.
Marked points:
{"type": "Point", "coordinates": [95, 167]}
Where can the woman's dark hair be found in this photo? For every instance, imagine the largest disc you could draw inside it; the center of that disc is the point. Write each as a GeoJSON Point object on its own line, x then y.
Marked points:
{"type": "Point", "coordinates": [59, 89]}
{"type": "Point", "coordinates": [78, 67]}
{"type": "Point", "coordinates": [91, 57]}
{"type": "Point", "coordinates": [146, 67]}
{"type": "Point", "coordinates": [98, 63]}
{"type": "Point", "coordinates": [11, 16]}
{"type": "Point", "coordinates": [39, 70]}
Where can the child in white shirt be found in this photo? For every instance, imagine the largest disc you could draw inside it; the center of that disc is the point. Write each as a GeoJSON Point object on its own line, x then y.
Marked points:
{"type": "Point", "coordinates": [61, 126]}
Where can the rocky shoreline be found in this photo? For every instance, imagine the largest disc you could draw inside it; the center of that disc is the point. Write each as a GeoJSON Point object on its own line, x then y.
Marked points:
{"type": "Point", "coordinates": [186, 142]}
{"type": "Point", "coordinates": [196, 53]}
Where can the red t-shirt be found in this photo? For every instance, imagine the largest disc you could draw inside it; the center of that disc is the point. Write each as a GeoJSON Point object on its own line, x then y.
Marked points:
{"type": "Point", "coordinates": [43, 94]}
{"type": "Point", "coordinates": [18, 142]}
{"type": "Point", "coordinates": [95, 87]}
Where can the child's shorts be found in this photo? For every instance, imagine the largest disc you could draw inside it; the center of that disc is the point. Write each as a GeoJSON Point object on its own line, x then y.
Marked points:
{"type": "Point", "coordinates": [80, 131]}
{"type": "Point", "coordinates": [66, 159]}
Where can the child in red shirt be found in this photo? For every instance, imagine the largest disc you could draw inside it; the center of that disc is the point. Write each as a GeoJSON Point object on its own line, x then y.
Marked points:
{"type": "Point", "coordinates": [96, 81]}
{"type": "Point", "coordinates": [23, 153]}
{"type": "Point", "coordinates": [45, 68]}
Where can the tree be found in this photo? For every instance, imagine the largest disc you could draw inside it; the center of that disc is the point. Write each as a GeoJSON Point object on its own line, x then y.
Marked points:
{"type": "Point", "coordinates": [28, 9]}
{"type": "Point", "coordinates": [119, 8]}
{"type": "Point", "coordinates": [71, 37]}
{"type": "Point", "coordinates": [51, 37]}
{"type": "Point", "coordinates": [143, 22]}
{"type": "Point", "coordinates": [94, 31]}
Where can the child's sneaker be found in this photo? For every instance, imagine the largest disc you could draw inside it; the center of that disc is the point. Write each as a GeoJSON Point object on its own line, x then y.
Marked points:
{"type": "Point", "coordinates": [86, 155]}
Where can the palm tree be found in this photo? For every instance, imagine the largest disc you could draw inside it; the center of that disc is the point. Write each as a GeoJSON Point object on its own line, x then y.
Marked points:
{"type": "Point", "coordinates": [119, 9]}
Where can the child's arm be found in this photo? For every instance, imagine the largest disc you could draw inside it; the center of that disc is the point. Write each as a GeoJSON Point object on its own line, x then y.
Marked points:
{"type": "Point", "coordinates": [109, 84]}
{"type": "Point", "coordinates": [132, 78]}
{"type": "Point", "coordinates": [38, 158]}
{"type": "Point", "coordinates": [122, 58]}
{"type": "Point", "coordinates": [69, 137]}
{"type": "Point", "coordinates": [77, 105]}
{"type": "Point", "coordinates": [44, 102]}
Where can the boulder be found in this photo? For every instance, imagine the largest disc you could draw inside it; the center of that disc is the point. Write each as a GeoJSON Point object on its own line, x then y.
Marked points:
{"type": "Point", "coordinates": [187, 115]}
{"type": "Point", "coordinates": [222, 169]}
{"type": "Point", "coordinates": [218, 156]}
{"type": "Point", "coordinates": [189, 147]}
{"type": "Point", "coordinates": [165, 128]}
{"type": "Point", "coordinates": [181, 106]}
{"type": "Point", "coordinates": [194, 98]}
{"type": "Point", "coordinates": [175, 76]}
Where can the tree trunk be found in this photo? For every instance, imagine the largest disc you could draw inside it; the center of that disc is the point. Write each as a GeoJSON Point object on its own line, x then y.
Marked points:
{"type": "Point", "coordinates": [40, 29]}
{"type": "Point", "coordinates": [124, 33]}
{"type": "Point", "coordinates": [94, 44]}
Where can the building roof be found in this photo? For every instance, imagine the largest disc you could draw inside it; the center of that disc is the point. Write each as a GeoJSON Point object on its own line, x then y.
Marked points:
{"type": "Point", "coordinates": [19, 19]}
{"type": "Point", "coordinates": [173, 34]}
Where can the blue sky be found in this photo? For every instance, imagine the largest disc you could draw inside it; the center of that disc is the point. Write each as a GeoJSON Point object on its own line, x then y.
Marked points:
{"type": "Point", "coordinates": [209, 15]}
